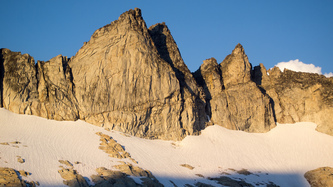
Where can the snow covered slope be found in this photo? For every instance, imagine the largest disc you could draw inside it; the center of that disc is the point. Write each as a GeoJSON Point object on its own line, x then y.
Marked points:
{"type": "Point", "coordinates": [281, 156]}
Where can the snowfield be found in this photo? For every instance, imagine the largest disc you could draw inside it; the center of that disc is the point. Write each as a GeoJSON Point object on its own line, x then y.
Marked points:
{"type": "Point", "coordinates": [281, 156]}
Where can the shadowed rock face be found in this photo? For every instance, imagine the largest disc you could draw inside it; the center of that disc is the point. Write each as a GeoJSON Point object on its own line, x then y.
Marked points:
{"type": "Point", "coordinates": [133, 79]}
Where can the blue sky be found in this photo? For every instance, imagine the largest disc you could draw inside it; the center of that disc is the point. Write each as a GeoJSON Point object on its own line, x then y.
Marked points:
{"type": "Point", "coordinates": [270, 31]}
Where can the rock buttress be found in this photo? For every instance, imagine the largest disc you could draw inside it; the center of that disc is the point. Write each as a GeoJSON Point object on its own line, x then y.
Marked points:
{"type": "Point", "coordinates": [122, 83]}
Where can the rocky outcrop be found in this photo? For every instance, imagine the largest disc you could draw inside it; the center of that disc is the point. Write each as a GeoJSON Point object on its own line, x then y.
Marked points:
{"type": "Point", "coordinates": [298, 96]}
{"type": "Point", "coordinates": [320, 177]}
{"type": "Point", "coordinates": [111, 147]}
{"type": "Point", "coordinates": [72, 178]}
{"type": "Point", "coordinates": [19, 85]}
{"type": "Point", "coordinates": [122, 176]}
{"type": "Point", "coordinates": [122, 83]}
{"type": "Point", "coordinates": [11, 177]}
{"type": "Point", "coordinates": [43, 89]}
{"type": "Point", "coordinates": [235, 101]}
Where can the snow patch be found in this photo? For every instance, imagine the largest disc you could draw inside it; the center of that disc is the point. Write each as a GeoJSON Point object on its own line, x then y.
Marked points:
{"type": "Point", "coordinates": [281, 156]}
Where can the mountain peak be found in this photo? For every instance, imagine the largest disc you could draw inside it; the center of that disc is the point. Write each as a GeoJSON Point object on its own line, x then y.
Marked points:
{"type": "Point", "coordinates": [238, 49]}
{"type": "Point", "coordinates": [136, 13]}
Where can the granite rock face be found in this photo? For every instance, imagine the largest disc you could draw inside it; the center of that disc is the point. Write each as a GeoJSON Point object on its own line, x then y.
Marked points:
{"type": "Point", "coordinates": [43, 89]}
{"type": "Point", "coordinates": [132, 79]}
{"type": "Point", "coordinates": [122, 83]}
{"type": "Point", "coordinates": [19, 85]}
{"type": "Point", "coordinates": [235, 101]}
{"type": "Point", "coordinates": [298, 96]}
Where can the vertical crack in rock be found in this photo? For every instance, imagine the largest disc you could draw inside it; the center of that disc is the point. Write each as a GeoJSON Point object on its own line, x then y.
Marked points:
{"type": "Point", "coordinates": [168, 50]}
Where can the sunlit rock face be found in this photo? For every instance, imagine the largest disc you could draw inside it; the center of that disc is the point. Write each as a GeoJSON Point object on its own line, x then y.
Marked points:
{"type": "Point", "coordinates": [43, 89]}
{"type": "Point", "coordinates": [124, 82]}
{"type": "Point", "coordinates": [299, 96]}
{"type": "Point", "coordinates": [132, 79]}
{"type": "Point", "coordinates": [235, 101]}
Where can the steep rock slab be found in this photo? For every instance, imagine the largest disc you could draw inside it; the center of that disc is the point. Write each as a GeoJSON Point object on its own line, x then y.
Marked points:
{"type": "Point", "coordinates": [208, 76]}
{"type": "Point", "coordinates": [191, 94]}
{"type": "Point", "coordinates": [122, 83]}
{"type": "Point", "coordinates": [299, 97]}
{"type": "Point", "coordinates": [19, 85]}
{"type": "Point", "coordinates": [55, 90]}
{"type": "Point", "coordinates": [43, 89]}
{"type": "Point", "coordinates": [235, 100]}
{"type": "Point", "coordinates": [236, 68]}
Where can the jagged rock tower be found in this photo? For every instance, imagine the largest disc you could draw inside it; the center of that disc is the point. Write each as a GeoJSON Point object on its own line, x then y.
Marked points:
{"type": "Point", "coordinates": [129, 78]}
{"type": "Point", "coordinates": [234, 100]}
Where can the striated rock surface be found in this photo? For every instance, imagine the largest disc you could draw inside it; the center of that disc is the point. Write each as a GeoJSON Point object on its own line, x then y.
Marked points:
{"type": "Point", "coordinates": [19, 85]}
{"type": "Point", "coordinates": [43, 89]}
{"type": "Point", "coordinates": [122, 83]}
{"type": "Point", "coordinates": [299, 96]}
{"type": "Point", "coordinates": [192, 95]}
{"type": "Point", "coordinates": [320, 177]}
{"type": "Point", "coordinates": [56, 90]}
{"type": "Point", "coordinates": [235, 101]}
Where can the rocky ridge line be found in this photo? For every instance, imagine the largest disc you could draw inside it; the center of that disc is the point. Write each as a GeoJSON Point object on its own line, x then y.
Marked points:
{"type": "Point", "coordinates": [132, 79]}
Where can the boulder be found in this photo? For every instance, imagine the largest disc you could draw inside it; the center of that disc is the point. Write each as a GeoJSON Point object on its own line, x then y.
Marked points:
{"type": "Point", "coordinates": [320, 177]}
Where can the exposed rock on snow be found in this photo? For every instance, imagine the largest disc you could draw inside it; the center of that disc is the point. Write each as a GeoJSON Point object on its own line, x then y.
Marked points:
{"type": "Point", "coordinates": [11, 177]}
{"type": "Point", "coordinates": [108, 177]}
{"type": "Point", "coordinates": [227, 181]}
{"type": "Point", "coordinates": [72, 178]}
{"type": "Point", "coordinates": [115, 150]}
{"type": "Point", "coordinates": [187, 166]}
{"type": "Point", "coordinates": [320, 177]}
{"type": "Point", "coordinates": [280, 156]}
{"type": "Point", "coordinates": [66, 163]}
{"type": "Point", "coordinates": [131, 170]}
{"type": "Point", "coordinates": [20, 159]}
{"type": "Point", "coordinates": [111, 147]}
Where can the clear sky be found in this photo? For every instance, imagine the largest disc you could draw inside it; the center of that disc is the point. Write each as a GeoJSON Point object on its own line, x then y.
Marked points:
{"type": "Point", "coordinates": [271, 31]}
